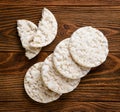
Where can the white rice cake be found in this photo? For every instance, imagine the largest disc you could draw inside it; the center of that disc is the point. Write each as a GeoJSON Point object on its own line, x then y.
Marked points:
{"type": "Point", "coordinates": [26, 31]}
{"type": "Point", "coordinates": [55, 81]}
{"type": "Point", "coordinates": [35, 88]}
{"type": "Point", "coordinates": [65, 64]}
{"type": "Point", "coordinates": [47, 29]}
{"type": "Point", "coordinates": [88, 47]}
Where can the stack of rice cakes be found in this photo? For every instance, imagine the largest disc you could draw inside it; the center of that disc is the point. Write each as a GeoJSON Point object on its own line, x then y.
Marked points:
{"type": "Point", "coordinates": [62, 70]}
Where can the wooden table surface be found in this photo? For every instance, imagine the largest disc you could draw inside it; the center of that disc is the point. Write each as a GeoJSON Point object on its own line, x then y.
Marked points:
{"type": "Point", "coordinates": [99, 91]}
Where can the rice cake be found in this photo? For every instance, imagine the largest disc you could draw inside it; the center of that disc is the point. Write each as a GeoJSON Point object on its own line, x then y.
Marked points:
{"type": "Point", "coordinates": [26, 31]}
{"type": "Point", "coordinates": [88, 47]}
{"type": "Point", "coordinates": [35, 87]}
{"type": "Point", "coordinates": [65, 64]}
{"type": "Point", "coordinates": [47, 29]}
{"type": "Point", "coordinates": [54, 80]}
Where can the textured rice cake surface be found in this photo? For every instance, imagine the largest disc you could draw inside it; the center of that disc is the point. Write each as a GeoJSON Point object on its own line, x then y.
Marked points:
{"type": "Point", "coordinates": [65, 64]}
{"type": "Point", "coordinates": [47, 29]}
{"type": "Point", "coordinates": [54, 80]}
{"type": "Point", "coordinates": [88, 47]}
{"type": "Point", "coordinates": [32, 52]}
{"type": "Point", "coordinates": [35, 88]}
{"type": "Point", "coordinates": [26, 31]}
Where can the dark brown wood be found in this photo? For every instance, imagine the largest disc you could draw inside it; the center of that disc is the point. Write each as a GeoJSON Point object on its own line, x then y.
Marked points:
{"type": "Point", "coordinates": [60, 2]}
{"type": "Point", "coordinates": [60, 106]}
{"type": "Point", "coordinates": [99, 91]}
{"type": "Point", "coordinates": [106, 18]}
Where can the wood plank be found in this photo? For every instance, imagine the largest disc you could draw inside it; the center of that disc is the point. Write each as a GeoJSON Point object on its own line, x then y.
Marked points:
{"type": "Point", "coordinates": [60, 2]}
{"type": "Point", "coordinates": [99, 91]}
{"type": "Point", "coordinates": [101, 84]}
{"type": "Point", "coordinates": [106, 18]}
{"type": "Point", "coordinates": [60, 106]}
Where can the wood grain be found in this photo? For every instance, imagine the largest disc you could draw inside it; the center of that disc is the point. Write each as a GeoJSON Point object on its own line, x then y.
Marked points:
{"type": "Point", "coordinates": [60, 2]}
{"type": "Point", "coordinates": [68, 23]}
{"type": "Point", "coordinates": [101, 84]}
{"type": "Point", "coordinates": [99, 91]}
{"type": "Point", "coordinates": [60, 106]}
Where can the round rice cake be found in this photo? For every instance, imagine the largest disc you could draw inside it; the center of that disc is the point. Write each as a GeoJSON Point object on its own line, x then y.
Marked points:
{"type": "Point", "coordinates": [47, 29]}
{"type": "Point", "coordinates": [54, 80]}
{"type": "Point", "coordinates": [35, 87]}
{"type": "Point", "coordinates": [65, 64]}
{"type": "Point", "coordinates": [88, 47]}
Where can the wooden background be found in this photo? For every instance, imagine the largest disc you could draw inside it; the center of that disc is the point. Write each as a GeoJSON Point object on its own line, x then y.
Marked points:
{"type": "Point", "coordinates": [99, 91]}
